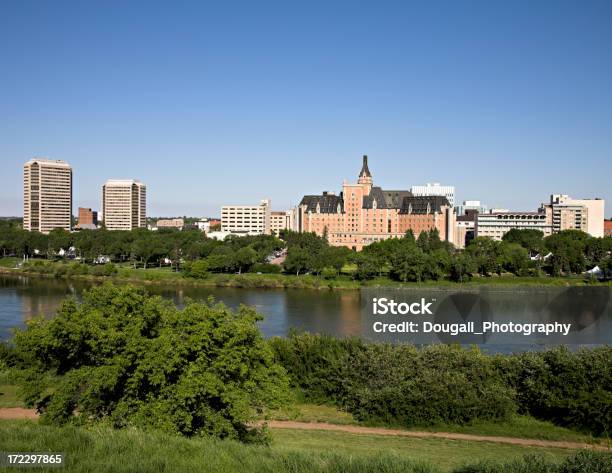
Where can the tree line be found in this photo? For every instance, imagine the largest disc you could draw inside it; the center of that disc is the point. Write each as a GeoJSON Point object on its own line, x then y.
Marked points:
{"type": "Point", "coordinates": [422, 258]}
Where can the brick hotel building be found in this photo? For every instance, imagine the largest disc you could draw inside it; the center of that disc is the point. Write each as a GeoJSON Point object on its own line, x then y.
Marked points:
{"type": "Point", "coordinates": [363, 213]}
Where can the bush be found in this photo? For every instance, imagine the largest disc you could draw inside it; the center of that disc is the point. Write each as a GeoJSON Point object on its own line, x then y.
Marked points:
{"type": "Point", "coordinates": [399, 384]}
{"type": "Point", "coordinates": [128, 359]}
{"type": "Point", "coordinates": [198, 269]}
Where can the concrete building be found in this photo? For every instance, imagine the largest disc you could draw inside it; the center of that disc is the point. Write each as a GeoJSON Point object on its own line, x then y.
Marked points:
{"type": "Point", "coordinates": [87, 217]}
{"type": "Point", "coordinates": [47, 195]}
{"type": "Point", "coordinates": [124, 204]}
{"type": "Point", "coordinates": [170, 223]}
{"type": "Point", "coordinates": [246, 219]}
{"type": "Point", "coordinates": [565, 213]}
{"type": "Point", "coordinates": [280, 220]}
{"type": "Point", "coordinates": [433, 189]}
{"type": "Point", "coordinates": [363, 213]}
{"type": "Point", "coordinates": [496, 224]}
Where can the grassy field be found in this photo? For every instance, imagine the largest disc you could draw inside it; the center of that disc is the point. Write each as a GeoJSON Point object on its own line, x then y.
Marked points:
{"type": "Point", "coordinates": [103, 450]}
{"type": "Point", "coordinates": [519, 426]}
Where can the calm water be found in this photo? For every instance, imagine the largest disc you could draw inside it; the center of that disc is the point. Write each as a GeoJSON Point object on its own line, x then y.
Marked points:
{"type": "Point", "coordinates": [338, 313]}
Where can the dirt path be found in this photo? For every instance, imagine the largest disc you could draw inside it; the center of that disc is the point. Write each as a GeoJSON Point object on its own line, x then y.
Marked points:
{"type": "Point", "coordinates": [356, 429]}
{"type": "Point", "coordinates": [11, 413]}
{"type": "Point", "coordinates": [8, 413]}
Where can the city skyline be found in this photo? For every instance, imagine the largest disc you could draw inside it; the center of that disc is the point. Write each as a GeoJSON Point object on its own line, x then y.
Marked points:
{"type": "Point", "coordinates": [210, 105]}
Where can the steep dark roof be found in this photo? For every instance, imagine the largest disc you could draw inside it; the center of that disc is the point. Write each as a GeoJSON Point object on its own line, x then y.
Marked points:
{"type": "Point", "coordinates": [394, 198]}
{"type": "Point", "coordinates": [364, 168]}
{"type": "Point", "coordinates": [376, 193]}
{"type": "Point", "coordinates": [419, 205]}
{"type": "Point", "coordinates": [328, 203]}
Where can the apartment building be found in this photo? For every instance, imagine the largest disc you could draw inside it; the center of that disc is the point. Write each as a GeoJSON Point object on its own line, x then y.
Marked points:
{"type": "Point", "coordinates": [47, 195]}
{"type": "Point", "coordinates": [496, 224]}
{"type": "Point", "coordinates": [435, 189]}
{"type": "Point", "coordinates": [247, 219]}
{"type": "Point", "coordinates": [124, 204]}
{"type": "Point", "coordinates": [565, 213]}
{"type": "Point", "coordinates": [363, 213]}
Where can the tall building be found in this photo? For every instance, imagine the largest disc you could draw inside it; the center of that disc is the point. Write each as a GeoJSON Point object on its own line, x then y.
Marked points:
{"type": "Point", "coordinates": [124, 204]}
{"type": "Point", "coordinates": [363, 213]}
{"type": "Point", "coordinates": [47, 195]}
{"type": "Point", "coordinates": [565, 213]}
{"type": "Point", "coordinates": [496, 224]}
{"type": "Point", "coordinates": [246, 219]}
{"type": "Point", "coordinates": [87, 217]}
{"type": "Point", "coordinates": [435, 188]}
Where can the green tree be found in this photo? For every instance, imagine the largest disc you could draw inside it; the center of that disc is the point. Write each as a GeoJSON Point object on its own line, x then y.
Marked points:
{"type": "Point", "coordinates": [245, 258]}
{"type": "Point", "coordinates": [128, 359]}
{"type": "Point", "coordinates": [298, 260]}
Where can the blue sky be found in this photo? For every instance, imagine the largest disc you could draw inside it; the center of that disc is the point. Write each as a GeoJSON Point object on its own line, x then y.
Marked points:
{"type": "Point", "coordinates": [231, 102]}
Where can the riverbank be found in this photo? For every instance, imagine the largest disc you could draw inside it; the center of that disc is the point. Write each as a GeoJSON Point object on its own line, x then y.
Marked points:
{"type": "Point", "coordinates": [166, 276]}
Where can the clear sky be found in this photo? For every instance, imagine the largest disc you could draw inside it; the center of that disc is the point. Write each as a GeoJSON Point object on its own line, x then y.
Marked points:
{"type": "Point", "coordinates": [231, 102]}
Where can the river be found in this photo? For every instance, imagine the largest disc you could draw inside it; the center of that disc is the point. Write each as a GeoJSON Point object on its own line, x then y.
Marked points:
{"type": "Point", "coordinates": [338, 313]}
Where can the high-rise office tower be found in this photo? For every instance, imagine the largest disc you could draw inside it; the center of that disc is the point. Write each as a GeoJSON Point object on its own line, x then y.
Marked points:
{"type": "Point", "coordinates": [47, 195]}
{"type": "Point", "coordinates": [124, 204]}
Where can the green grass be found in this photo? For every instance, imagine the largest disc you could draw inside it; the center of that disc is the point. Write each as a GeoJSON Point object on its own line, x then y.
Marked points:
{"type": "Point", "coordinates": [103, 450]}
{"type": "Point", "coordinates": [9, 262]}
{"type": "Point", "coordinates": [519, 426]}
{"type": "Point", "coordinates": [444, 454]}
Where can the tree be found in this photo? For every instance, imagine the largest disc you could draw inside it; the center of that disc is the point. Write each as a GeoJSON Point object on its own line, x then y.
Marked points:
{"type": "Point", "coordinates": [409, 264]}
{"type": "Point", "coordinates": [483, 251]}
{"type": "Point", "coordinates": [245, 258]}
{"type": "Point", "coordinates": [368, 266]}
{"type": "Point", "coordinates": [297, 260]}
{"type": "Point", "coordinates": [201, 371]}
{"type": "Point", "coordinates": [530, 239]}
{"type": "Point", "coordinates": [462, 266]}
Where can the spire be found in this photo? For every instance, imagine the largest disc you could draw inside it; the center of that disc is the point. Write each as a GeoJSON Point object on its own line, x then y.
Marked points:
{"type": "Point", "coordinates": [365, 172]}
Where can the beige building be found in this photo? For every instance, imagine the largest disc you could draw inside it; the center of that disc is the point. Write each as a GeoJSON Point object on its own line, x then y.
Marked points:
{"type": "Point", "coordinates": [496, 224]}
{"type": "Point", "coordinates": [170, 223]}
{"type": "Point", "coordinates": [281, 220]}
{"type": "Point", "coordinates": [47, 195]}
{"type": "Point", "coordinates": [247, 219]}
{"type": "Point", "coordinates": [565, 213]}
{"type": "Point", "coordinates": [124, 204]}
{"type": "Point", "coordinates": [363, 213]}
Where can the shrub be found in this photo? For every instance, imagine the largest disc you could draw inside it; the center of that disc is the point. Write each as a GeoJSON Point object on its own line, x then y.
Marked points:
{"type": "Point", "coordinates": [129, 359]}
{"type": "Point", "coordinates": [198, 269]}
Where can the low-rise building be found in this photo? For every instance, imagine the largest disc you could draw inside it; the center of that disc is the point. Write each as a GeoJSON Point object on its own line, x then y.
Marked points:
{"type": "Point", "coordinates": [281, 220]}
{"type": "Point", "coordinates": [170, 223]}
{"type": "Point", "coordinates": [87, 217]}
{"type": "Point", "coordinates": [246, 219]}
{"type": "Point", "coordinates": [608, 228]}
{"type": "Point", "coordinates": [496, 224]}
